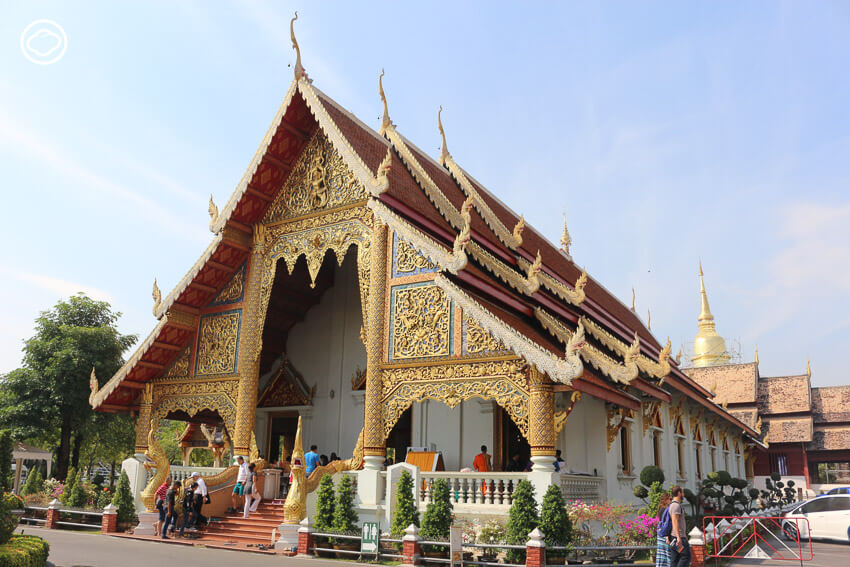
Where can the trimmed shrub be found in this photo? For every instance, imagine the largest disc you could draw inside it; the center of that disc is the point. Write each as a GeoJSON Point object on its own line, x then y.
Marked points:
{"type": "Point", "coordinates": [123, 499]}
{"type": "Point", "coordinates": [24, 551]}
{"type": "Point", "coordinates": [438, 515]}
{"type": "Point", "coordinates": [5, 461]}
{"type": "Point", "coordinates": [77, 497]}
{"type": "Point", "coordinates": [650, 475]}
{"type": "Point", "coordinates": [345, 516]}
{"type": "Point", "coordinates": [70, 480]}
{"type": "Point", "coordinates": [522, 519]}
{"type": "Point", "coordinates": [8, 520]}
{"type": "Point", "coordinates": [325, 505]}
{"type": "Point", "coordinates": [34, 482]}
{"type": "Point", "coordinates": [405, 512]}
{"type": "Point", "coordinates": [554, 520]}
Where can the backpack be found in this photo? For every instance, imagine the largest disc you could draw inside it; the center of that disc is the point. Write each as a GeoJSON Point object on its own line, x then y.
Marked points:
{"type": "Point", "coordinates": [665, 526]}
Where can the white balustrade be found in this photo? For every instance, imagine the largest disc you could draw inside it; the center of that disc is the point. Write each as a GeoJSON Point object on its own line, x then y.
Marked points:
{"type": "Point", "coordinates": [472, 489]}
{"type": "Point", "coordinates": [589, 489]}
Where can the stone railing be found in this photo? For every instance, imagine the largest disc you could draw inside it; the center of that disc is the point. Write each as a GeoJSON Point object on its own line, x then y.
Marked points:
{"type": "Point", "coordinates": [590, 489]}
{"type": "Point", "coordinates": [182, 473]}
{"type": "Point", "coordinates": [472, 488]}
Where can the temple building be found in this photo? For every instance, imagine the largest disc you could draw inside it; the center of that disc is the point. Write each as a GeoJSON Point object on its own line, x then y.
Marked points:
{"type": "Point", "coordinates": [806, 430]}
{"type": "Point", "coordinates": [387, 300]}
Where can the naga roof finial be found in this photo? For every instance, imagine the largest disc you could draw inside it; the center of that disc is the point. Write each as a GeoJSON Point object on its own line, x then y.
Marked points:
{"type": "Point", "coordinates": [156, 295]}
{"type": "Point", "coordinates": [648, 319]}
{"type": "Point", "coordinates": [566, 239]}
{"type": "Point", "coordinates": [633, 300]}
{"type": "Point", "coordinates": [385, 121]}
{"type": "Point", "coordinates": [519, 227]}
{"type": "Point", "coordinates": [299, 69]}
{"type": "Point", "coordinates": [444, 150]}
{"type": "Point", "coordinates": [213, 211]}
{"type": "Point", "coordinates": [93, 386]}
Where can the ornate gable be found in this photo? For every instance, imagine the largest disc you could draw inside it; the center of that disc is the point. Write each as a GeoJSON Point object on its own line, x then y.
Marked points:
{"type": "Point", "coordinates": [320, 180]}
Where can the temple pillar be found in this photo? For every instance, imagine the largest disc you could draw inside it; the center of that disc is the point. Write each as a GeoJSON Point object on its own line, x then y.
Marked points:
{"type": "Point", "coordinates": [250, 346]}
{"type": "Point", "coordinates": [541, 421]}
{"type": "Point", "coordinates": [373, 446]}
{"type": "Point", "coordinates": [143, 420]}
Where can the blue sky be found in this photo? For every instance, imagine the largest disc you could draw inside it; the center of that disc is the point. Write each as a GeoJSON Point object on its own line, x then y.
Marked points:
{"type": "Point", "coordinates": [668, 132]}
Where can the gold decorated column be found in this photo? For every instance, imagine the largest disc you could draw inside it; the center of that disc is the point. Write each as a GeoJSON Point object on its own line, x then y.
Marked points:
{"type": "Point", "coordinates": [541, 421]}
{"type": "Point", "coordinates": [250, 346]}
{"type": "Point", "coordinates": [143, 420]}
{"type": "Point", "coordinates": [373, 423]}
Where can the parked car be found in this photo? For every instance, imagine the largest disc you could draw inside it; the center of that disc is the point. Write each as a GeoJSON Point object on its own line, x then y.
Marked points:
{"type": "Point", "coordinates": [840, 490]}
{"type": "Point", "coordinates": [828, 518]}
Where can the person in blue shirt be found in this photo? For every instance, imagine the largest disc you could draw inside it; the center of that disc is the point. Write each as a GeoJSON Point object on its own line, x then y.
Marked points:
{"type": "Point", "coordinates": [311, 460]}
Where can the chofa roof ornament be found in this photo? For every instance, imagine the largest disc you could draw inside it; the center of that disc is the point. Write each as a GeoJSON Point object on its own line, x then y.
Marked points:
{"type": "Point", "coordinates": [299, 69]}
{"type": "Point", "coordinates": [385, 120]}
{"type": "Point", "coordinates": [444, 149]}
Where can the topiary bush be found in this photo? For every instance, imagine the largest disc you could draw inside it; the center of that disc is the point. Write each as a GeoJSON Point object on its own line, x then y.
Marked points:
{"type": "Point", "coordinates": [123, 500]}
{"type": "Point", "coordinates": [77, 497]}
{"type": "Point", "coordinates": [34, 482]}
{"type": "Point", "coordinates": [324, 519]}
{"type": "Point", "coordinates": [24, 551]}
{"type": "Point", "coordinates": [8, 520]}
{"type": "Point", "coordinates": [345, 516]}
{"type": "Point", "coordinates": [438, 515]}
{"type": "Point", "coordinates": [650, 475]}
{"type": "Point", "coordinates": [554, 520]}
{"type": "Point", "coordinates": [70, 480]}
{"type": "Point", "coordinates": [522, 519]}
{"type": "Point", "coordinates": [405, 512]}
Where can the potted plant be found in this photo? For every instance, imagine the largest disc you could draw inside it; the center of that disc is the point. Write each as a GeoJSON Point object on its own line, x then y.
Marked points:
{"type": "Point", "coordinates": [345, 518]}
{"type": "Point", "coordinates": [522, 519]}
{"type": "Point", "coordinates": [324, 519]}
{"type": "Point", "coordinates": [437, 520]}
{"type": "Point", "coordinates": [555, 525]}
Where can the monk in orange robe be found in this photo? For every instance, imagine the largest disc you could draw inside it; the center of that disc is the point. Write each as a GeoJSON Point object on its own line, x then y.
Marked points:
{"type": "Point", "coordinates": [482, 463]}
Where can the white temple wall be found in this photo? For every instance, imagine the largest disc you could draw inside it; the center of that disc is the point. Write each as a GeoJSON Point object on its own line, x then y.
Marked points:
{"type": "Point", "coordinates": [326, 349]}
{"type": "Point", "coordinates": [582, 441]}
{"type": "Point", "coordinates": [458, 433]}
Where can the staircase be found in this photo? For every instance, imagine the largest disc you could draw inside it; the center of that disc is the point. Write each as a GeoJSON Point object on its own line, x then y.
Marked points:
{"type": "Point", "coordinates": [256, 529]}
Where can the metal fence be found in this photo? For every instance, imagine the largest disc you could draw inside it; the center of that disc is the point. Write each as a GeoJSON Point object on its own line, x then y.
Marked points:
{"type": "Point", "coordinates": [32, 519]}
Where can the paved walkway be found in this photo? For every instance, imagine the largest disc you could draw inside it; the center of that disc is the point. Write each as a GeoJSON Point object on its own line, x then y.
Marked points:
{"type": "Point", "coordinates": [827, 554]}
{"type": "Point", "coordinates": [77, 549]}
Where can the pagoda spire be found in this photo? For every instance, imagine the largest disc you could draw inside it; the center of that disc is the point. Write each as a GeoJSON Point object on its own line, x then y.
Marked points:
{"type": "Point", "coordinates": [444, 149]}
{"type": "Point", "coordinates": [808, 367]}
{"type": "Point", "coordinates": [704, 309]}
{"type": "Point", "coordinates": [566, 239]}
{"type": "Point", "coordinates": [757, 354]}
{"type": "Point", "coordinates": [709, 347]}
{"type": "Point", "coordinates": [299, 69]}
{"type": "Point", "coordinates": [385, 120]}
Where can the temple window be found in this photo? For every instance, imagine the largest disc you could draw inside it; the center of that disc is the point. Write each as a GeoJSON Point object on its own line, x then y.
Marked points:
{"type": "Point", "coordinates": [625, 449]}
{"type": "Point", "coordinates": [699, 460]}
{"type": "Point", "coordinates": [680, 456]}
{"type": "Point", "coordinates": [656, 448]}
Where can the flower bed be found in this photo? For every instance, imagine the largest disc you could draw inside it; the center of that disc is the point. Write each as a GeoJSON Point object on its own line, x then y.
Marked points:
{"type": "Point", "coordinates": [24, 551]}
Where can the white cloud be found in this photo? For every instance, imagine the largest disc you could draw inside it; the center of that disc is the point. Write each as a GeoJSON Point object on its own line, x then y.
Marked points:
{"type": "Point", "coordinates": [60, 287]}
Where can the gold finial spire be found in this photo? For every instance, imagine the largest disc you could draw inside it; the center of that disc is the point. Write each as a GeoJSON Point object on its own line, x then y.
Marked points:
{"type": "Point", "coordinates": [444, 150]}
{"type": "Point", "coordinates": [385, 121]}
{"type": "Point", "coordinates": [157, 296]}
{"type": "Point", "coordinates": [213, 211]}
{"type": "Point", "coordinates": [709, 347]}
{"type": "Point", "coordinates": [633, 299]}
{"type": "Point", "coordinates": [757, 354]}
{"type": "Point", "coordinates": [299, 69]}
{"type": "Point", "coordinates": [298, 447]}
{"type": "Point", "coordinates": [808, 367]}
{"type": "Point", "coordinates": [566, 239]}
{"type": "Point", "coordinates": [648, 319]}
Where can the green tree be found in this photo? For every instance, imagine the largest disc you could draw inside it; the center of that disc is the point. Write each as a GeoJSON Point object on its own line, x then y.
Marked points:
{"type": "Point", "coordinates": [69, 485]}
{"type": "Point", "coordinates": [554, 520]}
{"type": "Point", "coordinates": [109, 439]}
{"type": "Point", "coordinates": [324, 518]}
{"type": "Point", "coordinates": [437, 520]}
{"type": "Point", "coordinates": [34, 482]}
{"type": "Point", "coordinates": [405, 512]}
{"type": "Point", "coordinates": [77, 497]}
{"type": "Point", "coordinates": [345, 516]}
{"type": "Point", "coordinates": [522, 519]}
{"type": "Point", "coordinates": [6, 461]}
{"type": "Point", "coordinates": [123, 499]}
{"type": "Point", "coordinates": [50, 392]}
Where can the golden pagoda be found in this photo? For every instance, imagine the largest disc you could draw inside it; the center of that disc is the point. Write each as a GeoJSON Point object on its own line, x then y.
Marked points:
{"type": "Point", "coordinates": [709, 347]}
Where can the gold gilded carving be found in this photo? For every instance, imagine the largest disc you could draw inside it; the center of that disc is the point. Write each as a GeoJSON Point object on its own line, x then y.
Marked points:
{"type": "Point", "coordinates": [363, 270]}
{"type": "Point", "coordinates": [532, 283]}
{"type": "Point", "coordinates": [181, 318]}
{"type": "Point", "coordinates": [694, 421]}
{"type": "Point", "coordinates": [373, 423]}
{"type": "Point", "coordinates": [180, 367]}
{"type": "Point", "coordinates": [162, 465]}
{"type": "Point", "coordinates": [319, 180]}
{"type": "Point", "coordinates": [561, 416]}
{"type": "Point", "coordinates": [233, 290]}
{"type": "Point", "coordinates": [92, 386]}
{"type": "Point", "coordinates": [409, 260]}
{"type": "Point", "coordinates": [478, 339]}
{"type": "Point", "coordinates": [420, 322]}
{"type": "Point", "coordinates": [574, 296]}
{"type": "Point", "coordinates": [212, 209]}
{"type": "Point", "coordinates": [502, 380]}
{"type": "Point", "coordinates": [616, 421]}
{"type": "Point", "coordinates": [518, 230]}
{"type": "Point", "coordinates": [651, 415]}
{"type": "Point", "coordinates": [566, 239]}
{"type": "Point", "coordinates": [658, 369]}
{"type": "Point", "coordinates": [541, 414]}
{"type": "Point", "coordinates": [143, 420]}
{"type": "Point", "coordinates": [217, 344]}
{"type": "Point", "coordinates": [156, 294]}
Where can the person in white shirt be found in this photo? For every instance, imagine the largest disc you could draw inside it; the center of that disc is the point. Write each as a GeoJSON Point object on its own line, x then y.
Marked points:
{"type": "Point", "coordinates": [201, 498]}
{"type": "Point", "coordinates": [239, 489]}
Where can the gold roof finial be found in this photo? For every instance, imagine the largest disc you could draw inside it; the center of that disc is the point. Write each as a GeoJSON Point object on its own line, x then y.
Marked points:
{"type": "Point", "coordinates": [385, 121]}
{"type": "Point", "coordinates": [299, 69]}
{"type": "Point", "coordinates": [757, 354]}
{"type": "Point", "coordinates": [566, 239]}
{"type": "Point", "coordinates": [519, 227]}
{"type": "Point", "coordinates": [648, 319]}
{"type": "Point", "coordinates": [444, 150]}
{"type": "Point", "coordinates": [808, 367]}
{"type": "Point", "coordinates": [298, 447]}
{"type": "Point", "coordinates": [213, 211]}
{"type": "Point", "coordinates": [157, 296]}
{"type": "Point", "coordinates": [633, 299]}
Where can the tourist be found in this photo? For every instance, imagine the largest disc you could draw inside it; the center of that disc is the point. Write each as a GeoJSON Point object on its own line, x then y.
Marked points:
{"type": "Point", "coordinates": [239, 488]}
{"type": "Point", "coordinates": [481, 463]}
{"type": "Point", "coordinates": [188, 508]}
{"type": "Point", "coordinates": [515, 465]}
{"type": "Point", "coordinates": [170, 507]}
{"type": "Point", "coordinates": [334, 457]}
{"type": "Point", "coordinates": [285, 471]}
{"type": "Point", "coordinates": [311, 460]}
{"type": "Point", "coordinates": [202, 496]}
{"type": "Point", "coordinates": [323, 460]}
{"type": "Point", "coordinates": [559, 462]}
{"type": "Point", "coordinates": [160, 504]}
{"type": "Point", "coordinates": [680, 554]}
{"type": "Point", "coordinates": [199, 519]}
{"type": "Point", "coordinates": [252, 494]}
{"type": "Point", "coordinates": [662, 553]}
